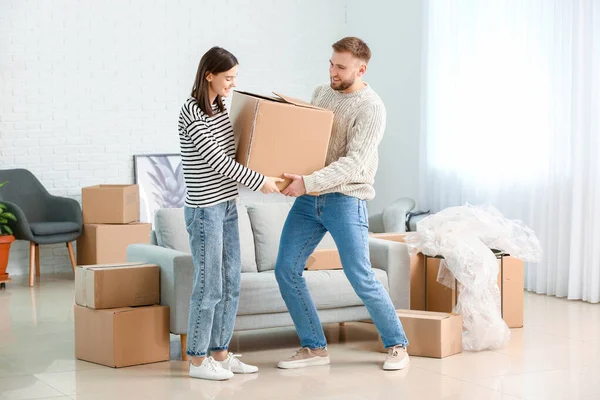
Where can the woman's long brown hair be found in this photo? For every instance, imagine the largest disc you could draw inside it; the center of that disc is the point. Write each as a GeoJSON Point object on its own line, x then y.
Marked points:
{"type": "Point", "coordinates": [214, 61]}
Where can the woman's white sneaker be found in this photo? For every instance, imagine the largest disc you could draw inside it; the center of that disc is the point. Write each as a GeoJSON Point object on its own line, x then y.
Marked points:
{"type": "Point", "coordinates": [211, 370]}
{"type": "Point", "coordinates": [233, 364]}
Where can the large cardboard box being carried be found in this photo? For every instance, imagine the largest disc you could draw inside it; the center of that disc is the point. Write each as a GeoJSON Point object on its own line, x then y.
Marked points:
{"type": "Point", "coordinates": [110, 204]}
{"type": "Point", "coordinates": [121, 337]}
{"type": "Point", "coordinates": [277, 135]}
{"type": "Point", "coordinates": [431, 334]}
{"type": "Point", "coordinates": [107, 244]}
{"type": "Point", "coordinates": [117, 285]}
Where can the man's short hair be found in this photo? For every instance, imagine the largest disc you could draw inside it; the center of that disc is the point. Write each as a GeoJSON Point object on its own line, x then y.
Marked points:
{"type": "Point", "coordinates": [355, 46]}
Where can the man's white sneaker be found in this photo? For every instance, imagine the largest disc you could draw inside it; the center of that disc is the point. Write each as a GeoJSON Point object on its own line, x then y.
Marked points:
{"type": "Point", "coordinates": [233, 364]}
{"type": "Point", "coordinates": [211, 370]}
{"type": "Point", "coordinates": [306, 357]}
{"type": "Point", "coordinates": [397, 359]}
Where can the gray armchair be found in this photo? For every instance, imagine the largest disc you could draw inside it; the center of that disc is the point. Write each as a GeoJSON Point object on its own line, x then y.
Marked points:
{"type": "Point", "coordinates": [393, 217]}
{"type": "Point", "coordinates": [41, 217]}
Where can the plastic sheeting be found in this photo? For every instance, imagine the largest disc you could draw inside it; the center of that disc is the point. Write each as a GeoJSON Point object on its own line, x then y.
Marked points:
{"type": "Point", "coordinates": [464, 236]}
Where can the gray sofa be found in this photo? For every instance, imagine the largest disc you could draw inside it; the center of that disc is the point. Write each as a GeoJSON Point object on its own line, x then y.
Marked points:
{"type": "Point", "coordinates": [261, 305]}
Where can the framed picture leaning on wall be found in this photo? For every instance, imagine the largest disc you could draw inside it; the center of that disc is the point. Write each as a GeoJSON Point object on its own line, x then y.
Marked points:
{"type": "Point", "coordinates": [160, 178]}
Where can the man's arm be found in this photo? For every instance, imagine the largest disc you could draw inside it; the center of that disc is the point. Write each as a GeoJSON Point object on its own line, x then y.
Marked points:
{"type": "Point", "coordinates": [364, 137]}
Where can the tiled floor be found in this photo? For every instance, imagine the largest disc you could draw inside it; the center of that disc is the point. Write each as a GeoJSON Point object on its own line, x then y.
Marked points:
{"type": "Point", "coordinates": [556, 356]}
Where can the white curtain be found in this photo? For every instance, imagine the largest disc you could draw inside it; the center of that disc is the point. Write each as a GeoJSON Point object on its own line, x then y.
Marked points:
{"type": "Point", "coordinates": [511, 117]}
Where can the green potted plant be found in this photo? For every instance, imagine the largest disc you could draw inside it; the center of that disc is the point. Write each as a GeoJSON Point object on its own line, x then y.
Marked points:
{"type": "Point", "coordinates": [6, 238]}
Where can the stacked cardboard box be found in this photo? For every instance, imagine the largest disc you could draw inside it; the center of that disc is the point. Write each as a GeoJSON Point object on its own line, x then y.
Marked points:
{"type": "Point", "coordinates": [117, 320]}
{"type": "Point", "coordinates": [110, 215]}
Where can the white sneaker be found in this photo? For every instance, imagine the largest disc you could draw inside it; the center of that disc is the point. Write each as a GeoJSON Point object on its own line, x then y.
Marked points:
{"type": "Point", "coordinates": [306, 357]}
{"type": "Point", "coordinates": [397, 359]}
{"type": "Point", "coordinates": [211, 370]}
{"type": "Point", "coordinates": [236, 366]}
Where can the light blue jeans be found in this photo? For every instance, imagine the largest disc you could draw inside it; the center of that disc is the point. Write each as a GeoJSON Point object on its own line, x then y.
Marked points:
{"type": "Point", "coordinates": [215, 245]}
{"type": "Point", "coordinates": [346, 219]}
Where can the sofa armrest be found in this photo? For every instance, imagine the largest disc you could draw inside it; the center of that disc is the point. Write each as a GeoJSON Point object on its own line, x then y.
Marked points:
{"type": "Point", "coordinates": [376, 223]}
{"type": "Point", "coordinates": [176, 279]}
{"type": "Point", "coordinates": [394, 258]}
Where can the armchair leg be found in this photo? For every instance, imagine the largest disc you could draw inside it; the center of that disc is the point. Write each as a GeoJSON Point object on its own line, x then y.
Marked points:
{"type": "Point", "coordinates": [37, 260]}
{"type": "Point", "coordinates": [184, 356]}
{"type": "Point", "coordinates": [71, 255]}
{"type": "Point", "coordinates": [32, 247]}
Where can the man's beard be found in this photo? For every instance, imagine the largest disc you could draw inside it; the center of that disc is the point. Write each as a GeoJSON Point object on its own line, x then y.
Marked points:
{"type": "Point", "coordinates": [342, 85]}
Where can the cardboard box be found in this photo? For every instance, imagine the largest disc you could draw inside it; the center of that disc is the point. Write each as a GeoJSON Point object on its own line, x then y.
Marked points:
{"type": "Point", "coordinates": [324, 260]}
{"type": "Point", "coordinates": [511, 282]}
{"type": "Point", "coordinates": [122, 337]}
{"type": "Point", "coordinates": [107, 244]}
{"type": "Point", "coordinates": [431, 334]}
{"type": "Point", "coordinates": [441, 298]}
{"type": "Point", "coordinates": [277, 135]}
{"type": "Point", "coordinates": [393, 236]}
{"type": "Point", "coordinates": [110, 204]}
{"type": "Point", "coordinates": [117, 285]}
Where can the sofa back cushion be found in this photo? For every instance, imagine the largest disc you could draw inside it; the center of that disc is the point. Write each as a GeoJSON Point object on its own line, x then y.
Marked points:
{"type": "Point", "coordinates": [267, 221]}
{"type": "Point", "coordinates": [169, 227]}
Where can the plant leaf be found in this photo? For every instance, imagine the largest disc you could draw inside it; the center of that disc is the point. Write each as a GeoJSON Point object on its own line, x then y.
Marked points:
{"type": "Point", "coordinates": [7, 229]}
{"type": "Point", "coordinates": [8, 215]}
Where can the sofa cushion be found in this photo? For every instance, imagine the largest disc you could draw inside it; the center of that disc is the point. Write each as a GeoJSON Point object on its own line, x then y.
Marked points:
{"type": "Point", "coordinates": [169, 227]}
{"type": "Point", "coordinates": [267, 224]}
{"type": "Point", "coordinates": [329, 289]}
{"type": "Point", "coordinates": [267, 221]}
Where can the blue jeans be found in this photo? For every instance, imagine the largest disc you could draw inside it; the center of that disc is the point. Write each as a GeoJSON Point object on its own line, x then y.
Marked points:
{"type": "Point", "coordinates": [215, 245]}
{"type": "Point", "coordinates": [346, 219]}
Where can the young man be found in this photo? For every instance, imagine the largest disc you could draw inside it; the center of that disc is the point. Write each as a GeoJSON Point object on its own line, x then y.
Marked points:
{"type": "Point", "coordinates": [344, 186]}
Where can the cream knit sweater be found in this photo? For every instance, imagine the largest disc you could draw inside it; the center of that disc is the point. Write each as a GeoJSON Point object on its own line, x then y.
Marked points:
{"type": "Point", "coordinates": [352, 158]}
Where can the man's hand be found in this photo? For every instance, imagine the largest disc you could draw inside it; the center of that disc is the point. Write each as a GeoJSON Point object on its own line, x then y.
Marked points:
{"type": "Point", "coordinates": [296, 188]}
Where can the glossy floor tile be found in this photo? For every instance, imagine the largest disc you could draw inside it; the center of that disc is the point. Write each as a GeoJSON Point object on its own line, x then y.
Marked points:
{"type": "Point", "coordinates": [556, 356]}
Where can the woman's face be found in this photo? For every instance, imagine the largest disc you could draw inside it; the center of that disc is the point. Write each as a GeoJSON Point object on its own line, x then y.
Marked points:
{"type": "Point", "coordinates": [221, 84]}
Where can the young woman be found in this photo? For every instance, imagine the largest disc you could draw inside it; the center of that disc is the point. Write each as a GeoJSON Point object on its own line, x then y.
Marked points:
{"type": "Point", "coordinates": [211, 175]}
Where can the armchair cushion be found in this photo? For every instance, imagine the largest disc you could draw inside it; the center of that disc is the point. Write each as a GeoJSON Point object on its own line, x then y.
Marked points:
{"type": "Point", "coordinates": [53, 228]}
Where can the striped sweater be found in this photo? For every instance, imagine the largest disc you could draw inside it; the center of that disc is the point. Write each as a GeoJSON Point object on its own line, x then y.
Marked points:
{"type": "Point", "coordinates": [208, 156]}
{"type": "Point", "coordinates": [352, 158]}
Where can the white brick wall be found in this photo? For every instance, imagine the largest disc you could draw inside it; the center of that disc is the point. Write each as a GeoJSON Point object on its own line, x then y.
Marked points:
{"type": "Point", "coordinates": [86, 85]}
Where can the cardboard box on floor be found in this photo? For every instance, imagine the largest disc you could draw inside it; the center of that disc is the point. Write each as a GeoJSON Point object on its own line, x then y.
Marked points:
{"type": "Point", "coordinates": [110, 204]}
{"type": "Point", "coordinates": [393, 236]}
{"type": "Point", "coordinates": [431, 334]}
{"type": "Point", "coordinates": [122, 337]}
{"type": "Point", "coordinates": [107, 244]}
{"type": "Point", "coordinates": [324, 259]}
{"type": "Point", "coordinates": [117, 285]}
{"type": "Point", "coordinates": [277, 135]}
{"type": "Point", "coordinates": [442, 298]}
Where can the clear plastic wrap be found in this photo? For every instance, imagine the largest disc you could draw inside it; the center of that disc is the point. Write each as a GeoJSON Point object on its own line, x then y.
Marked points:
{"type": "Point", "coordinates": [464, 236]}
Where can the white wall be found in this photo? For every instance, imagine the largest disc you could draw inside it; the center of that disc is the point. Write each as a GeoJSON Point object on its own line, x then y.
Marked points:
{"type": "Point", "coordinates": [86, 85]}
{"type": "Point", "coordinates": [393, 31]}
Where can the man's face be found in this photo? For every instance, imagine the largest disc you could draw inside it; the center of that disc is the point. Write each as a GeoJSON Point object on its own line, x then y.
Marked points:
{"type": "Point", "coordinates": [344, 68]}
